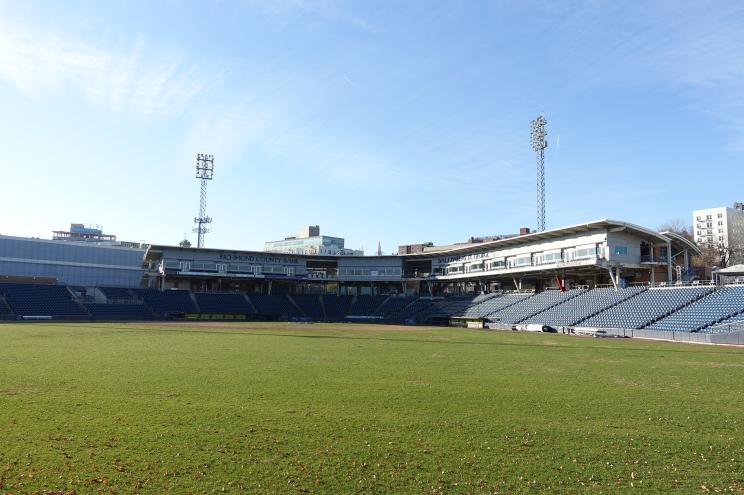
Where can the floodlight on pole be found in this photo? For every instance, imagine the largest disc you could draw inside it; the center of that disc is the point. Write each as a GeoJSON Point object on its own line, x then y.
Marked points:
{"type": "Point", "coordinates": [204, 172]}
{"type": "Point", "coordinates": [539, 143]}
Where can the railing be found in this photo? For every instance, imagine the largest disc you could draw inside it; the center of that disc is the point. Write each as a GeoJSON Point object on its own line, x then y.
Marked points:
{"type": "Point", "coordinates": [646, 258]}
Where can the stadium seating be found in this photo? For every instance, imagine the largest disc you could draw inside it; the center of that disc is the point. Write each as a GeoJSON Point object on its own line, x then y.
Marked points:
{"type": "Point", "coordinates": [276, 306]}
{"type": "Point", "coordinates": [310, 305]}
{"type": "Point", "coordinates": [583, 306]}
{"type": "Point", "coordinates": [216, 303]}
{"type": "Point", "coordinates": [55, 301]}
{"type": "Point", "coordinates": [336, 307]}
{"type": "Point", "coordinates": [116, 292]}
{"type": "Point", "coordinates": [167, 302]}
{"type": "Point", "coordinates": [711, 309]}
{"type": "Point", "coordinates": [735, 322]}
{"type": "Point", "coordinates": [367, 306]}
{"type": "Point", "coordinates": [5, 313]}
{"type": "Point", "coordinates": [120, 312]}
{"type": "Point", "coordinates": [411, 311]}
{"type": "Point", "coordinates": [532, 305]}
{"type": "Point", "coordinates": [393, 304]}
{"type": "Point", "coordinates": [646, 307]}
{"type": "Point", "coordinates": [451, 306]}
{"type": "Point", "coordinates": [494, 303]}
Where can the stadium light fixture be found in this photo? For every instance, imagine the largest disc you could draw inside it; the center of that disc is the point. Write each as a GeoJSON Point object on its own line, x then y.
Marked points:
{"type": "Point", "coordinates": [539, 143]}
{"type": "Point", "coordinates": [204, 172]}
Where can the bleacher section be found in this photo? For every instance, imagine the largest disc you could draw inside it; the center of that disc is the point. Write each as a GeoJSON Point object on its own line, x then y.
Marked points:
{"type": "Point", "coordinates": [115, 292]}
{"type": "Point", "coordinates": [412, 311]}
{"type": "Point", "coordinates": [278, 306]}
{"type": "Point", "coordinates": [5, 313]}
{"type": "Point", "coordinates": [675, 308]}
{"type": "Point", "coordinates": [532, 305]}
{"type": "Point", "coordinates": [310, 305]}
{"type": "Point", "coordinates": [336, 307]}
{"type": "Point", "coordinates": [29, 300]}
{"type": "Point", "coordinates": [445, 308]}
{"type": "Point", "coordinates": [367, 306]}
{"type": "Point", "coordinates": [494, 304]}
{"type": "Point", "coordinates": [119, 312]}
{"type": "Point", "coordinates": [234, 304]}
{"type": "Point", "coordinates": [167, 303]}
{"type": "Point", "coordinates": [647, 307]}
{"type": "Point", "coordinates": [583, 306]}
{"type": "Point", "coordinates": [394, 304]}
{"type": "Point", "coordinates": [713, 308]}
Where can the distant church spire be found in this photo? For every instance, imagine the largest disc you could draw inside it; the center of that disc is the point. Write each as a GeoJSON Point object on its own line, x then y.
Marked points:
{"type": "Point", "coordinates": [379, 249]}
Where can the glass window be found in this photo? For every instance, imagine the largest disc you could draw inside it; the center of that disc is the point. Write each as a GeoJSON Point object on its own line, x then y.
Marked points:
{"type": "Point", "coordinates": [621, 250]}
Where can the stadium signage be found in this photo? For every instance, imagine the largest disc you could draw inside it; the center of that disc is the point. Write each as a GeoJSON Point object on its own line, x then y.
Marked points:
{"type": "Point", "coordinates": [465, 257]}
{"type": "Point", "coordinates": [261, 259]}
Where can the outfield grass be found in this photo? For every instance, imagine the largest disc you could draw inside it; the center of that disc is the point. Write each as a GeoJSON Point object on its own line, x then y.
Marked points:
{"type": "Point", "coordinates": [283, 408]}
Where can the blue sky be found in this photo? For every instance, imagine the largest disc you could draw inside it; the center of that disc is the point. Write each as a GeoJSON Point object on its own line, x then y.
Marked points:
{"type": "Point", "coordinates": [395, 122]}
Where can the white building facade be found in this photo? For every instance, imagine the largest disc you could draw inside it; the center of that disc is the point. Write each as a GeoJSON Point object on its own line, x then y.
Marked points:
{"type": "Point", "coordinates": [721, 227]}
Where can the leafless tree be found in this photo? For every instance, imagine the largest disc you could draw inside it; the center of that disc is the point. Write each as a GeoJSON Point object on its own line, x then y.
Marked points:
{"type": "Point", "coordinates": [677, 226]}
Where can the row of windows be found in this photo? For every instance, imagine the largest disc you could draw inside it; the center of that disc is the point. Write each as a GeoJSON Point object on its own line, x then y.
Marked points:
{"type": "Point", "coordinates": [210, 267]}
{"type": "Point", "coordinates": [532, 259]}
{"type": "Point", "coordinates": [369, 272]}
{"type": "Point", "coordinates": [708, 217]}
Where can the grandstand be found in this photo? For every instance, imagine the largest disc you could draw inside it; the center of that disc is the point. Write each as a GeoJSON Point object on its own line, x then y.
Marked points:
{"type": "Point", "coordinates": [684, 308]}
{"type": "Point", "coordinates": [603, 274]}
{"type": "Point", "coordinates": [646, 307]}
{"type": "Point", "coordinates": [530, 306]}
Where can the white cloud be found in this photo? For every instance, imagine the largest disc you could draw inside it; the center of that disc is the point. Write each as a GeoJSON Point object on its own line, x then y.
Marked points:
{"type": "Point", "coordinates": [133, 82]}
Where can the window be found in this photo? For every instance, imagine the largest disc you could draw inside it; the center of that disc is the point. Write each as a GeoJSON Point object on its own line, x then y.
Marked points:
{"type": "Point", "coordinates": [720, 222]}
{"type": "Point", "coordinates": [720, 215]}
{"type": "Point", "coordinates": [523, 260]}
{"type": "Point", "coordinates": [587, 251]}
{"type": "Point", "coordinates": [621, 250]}
{"type": "Point", "coordinates": [699, 218]}
{"type": "Point", "coordinates": [552, 257]}
{"type": "Point", "coordinates": [497, 265]}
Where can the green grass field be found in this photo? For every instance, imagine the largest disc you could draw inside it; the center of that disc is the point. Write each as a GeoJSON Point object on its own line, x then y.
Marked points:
{"type": "Point", "coordinates": [285, 408]}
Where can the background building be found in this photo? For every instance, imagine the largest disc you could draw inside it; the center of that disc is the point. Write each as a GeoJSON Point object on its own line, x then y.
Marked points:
{"type": "Point", "coordinates": [309, 241]}
{"type": "Point", "coordinates": [721, 227]}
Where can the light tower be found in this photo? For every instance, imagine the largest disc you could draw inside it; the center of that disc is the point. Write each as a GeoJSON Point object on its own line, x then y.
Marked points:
{"type": "Point", "coordinates": [539, 143]}
{"type": "Point", "coordinates": [204, 171]}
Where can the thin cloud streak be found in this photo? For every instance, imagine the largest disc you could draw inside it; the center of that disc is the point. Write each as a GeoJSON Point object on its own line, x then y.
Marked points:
{"type": "Point", "coordinates": [130, 83]}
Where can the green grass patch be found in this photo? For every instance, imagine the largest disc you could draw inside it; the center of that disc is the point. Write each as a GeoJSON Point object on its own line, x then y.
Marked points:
{"type": "Point", "coordinates": [285, 408]}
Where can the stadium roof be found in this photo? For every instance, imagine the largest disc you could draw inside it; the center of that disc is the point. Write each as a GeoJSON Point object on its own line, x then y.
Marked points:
{"type": "Point", "coordinates": [611, 225]}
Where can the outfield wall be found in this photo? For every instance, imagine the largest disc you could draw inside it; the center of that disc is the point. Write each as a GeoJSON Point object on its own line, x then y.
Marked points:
{"type": "Point", "coordinates": [736, 337]}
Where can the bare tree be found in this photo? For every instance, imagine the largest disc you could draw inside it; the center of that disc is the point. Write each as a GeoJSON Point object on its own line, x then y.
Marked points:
{"type": "Point", "coordinates": [677, 226]}
{"type": "Point", "coordinates": [718, 256]}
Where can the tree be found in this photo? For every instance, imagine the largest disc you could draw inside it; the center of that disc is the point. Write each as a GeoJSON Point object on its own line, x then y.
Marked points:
{"type": "Point", "coordinates": [185, 243]}
{"type": "Point", "coordinates": [718, 256]}
{"type": "Point", "coordinates": [678, 227]}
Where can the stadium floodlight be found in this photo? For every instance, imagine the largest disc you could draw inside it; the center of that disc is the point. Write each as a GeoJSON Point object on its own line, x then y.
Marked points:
{"type": "Point", "coordinates": [204, 172]}
{"type": "Point", "coordinates": [539, 143]}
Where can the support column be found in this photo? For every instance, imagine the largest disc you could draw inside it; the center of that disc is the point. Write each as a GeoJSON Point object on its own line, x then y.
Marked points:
{"type": "Point", "coordinates": [687, 264]}
{"type": "Point", "coordinates": [670, 277]}
{"type": "Point", "coordinates": [612, 277]}
{"type": "Point", "coordinates": [617, 276]}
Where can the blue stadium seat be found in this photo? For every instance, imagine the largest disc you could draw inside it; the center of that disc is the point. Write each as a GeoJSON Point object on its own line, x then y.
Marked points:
{"type": "Point", "coordinates": [55, 301]}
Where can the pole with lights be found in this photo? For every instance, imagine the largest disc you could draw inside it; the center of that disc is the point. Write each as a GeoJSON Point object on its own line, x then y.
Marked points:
{"type": "Point", "coordinates": [539, 143]}
{"type": "Point", "coordinates": [205, 172]}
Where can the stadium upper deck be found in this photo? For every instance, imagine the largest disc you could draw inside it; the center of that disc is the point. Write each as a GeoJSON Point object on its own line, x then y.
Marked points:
{"type": "Point", "coordinates": [592, 253]}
